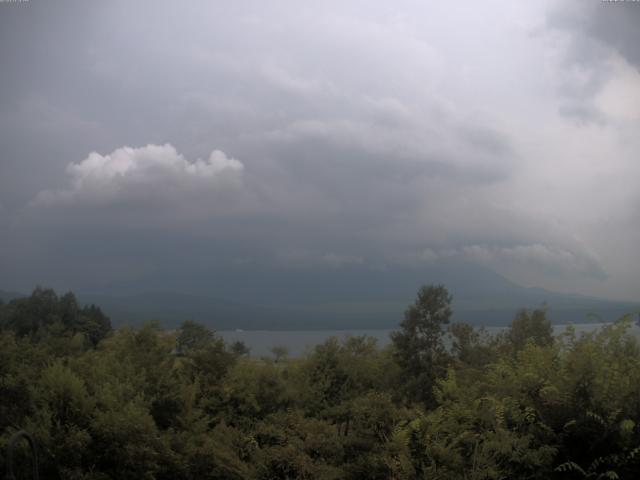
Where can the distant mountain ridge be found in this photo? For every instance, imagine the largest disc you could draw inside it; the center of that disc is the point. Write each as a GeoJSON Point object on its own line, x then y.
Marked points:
{"type": "Point", "coordinates": [223, 315]}
{"type": "Point", "coordinates": [348, 298]}
{"type": "Point", "coordinates": [356, 297]}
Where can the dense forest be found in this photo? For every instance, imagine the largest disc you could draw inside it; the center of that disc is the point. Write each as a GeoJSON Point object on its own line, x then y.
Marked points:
{"type": "Point", "coordinates": [443, 401]}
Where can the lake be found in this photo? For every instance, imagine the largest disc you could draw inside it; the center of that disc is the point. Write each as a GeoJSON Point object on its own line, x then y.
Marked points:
{"type": "Point", "coordinates": [297, 342]}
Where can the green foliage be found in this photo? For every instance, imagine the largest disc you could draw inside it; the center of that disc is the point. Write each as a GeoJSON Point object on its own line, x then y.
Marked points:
{"type": "Point", "coordinates": [44, 315]}
{"type": "Point", "coordinates": [146, 403]}
{"type": "Point", "coordinates": [527, 327]}
{"type": "Point", "coordinates": [193, 337]}
{"type": "Point", "coordinates": [470, 346]}
{"type": "Point", "coordinates": [419, 349]}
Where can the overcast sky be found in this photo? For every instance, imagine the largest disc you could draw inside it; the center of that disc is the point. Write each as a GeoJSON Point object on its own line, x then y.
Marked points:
{"type": "Point", "coordinates": [145, 138]}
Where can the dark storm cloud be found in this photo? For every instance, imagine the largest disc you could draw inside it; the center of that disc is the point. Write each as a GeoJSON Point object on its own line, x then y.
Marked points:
{"type": "Point", "coordinates": [618, 27]}
{"type": "Point", "coordinates": [596, 29]}
{"type": "Point", "coordinates": [613, 24]}
{"type": "Point", "coordinates": [359, 133]}
{"type": "Point", "coordinates": [152, 203]}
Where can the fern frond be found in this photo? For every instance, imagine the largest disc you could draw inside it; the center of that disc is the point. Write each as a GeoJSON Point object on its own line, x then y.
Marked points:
{"type": "Point", "coordinates": [571, 467]}
{"type": "Point", "coordinates": [611, 475]}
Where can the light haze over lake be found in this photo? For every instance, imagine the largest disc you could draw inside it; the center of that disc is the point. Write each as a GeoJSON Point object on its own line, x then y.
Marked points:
{"type": "Point", "coordinates": [297, 342]}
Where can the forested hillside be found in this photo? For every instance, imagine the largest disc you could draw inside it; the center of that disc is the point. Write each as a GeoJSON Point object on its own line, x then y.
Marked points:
{"type": "Point", "coordinates": [148, 403]}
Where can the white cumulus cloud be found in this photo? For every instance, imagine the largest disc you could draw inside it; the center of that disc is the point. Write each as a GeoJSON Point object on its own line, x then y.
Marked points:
{"type": "Point", "coordinates": [147, 172]}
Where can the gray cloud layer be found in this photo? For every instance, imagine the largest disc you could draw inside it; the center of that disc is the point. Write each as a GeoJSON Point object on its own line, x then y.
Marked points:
{"type": "Point", "coordinates": [353, 134]}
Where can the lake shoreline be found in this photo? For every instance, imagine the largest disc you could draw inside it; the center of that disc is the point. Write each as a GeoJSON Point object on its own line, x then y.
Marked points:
{"type": "Point", "coordinates": [297, 342]}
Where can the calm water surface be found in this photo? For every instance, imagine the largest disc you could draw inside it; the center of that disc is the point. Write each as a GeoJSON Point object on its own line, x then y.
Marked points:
{"type": "Point", "coordinates": [299, 341]}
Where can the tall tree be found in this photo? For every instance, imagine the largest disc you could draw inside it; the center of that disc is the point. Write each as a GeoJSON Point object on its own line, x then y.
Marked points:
{"type": "Point", "coordinates": [419, 349]}
{"type": "Point", "coordinates": [193, 336]}
{"type": "Point", "coordinates": [532, 327]}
